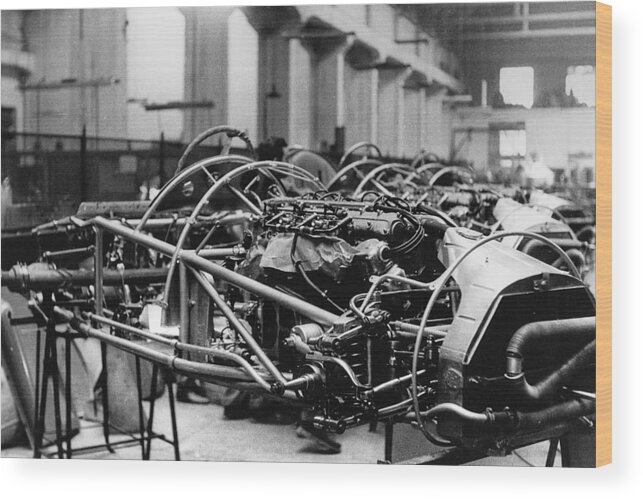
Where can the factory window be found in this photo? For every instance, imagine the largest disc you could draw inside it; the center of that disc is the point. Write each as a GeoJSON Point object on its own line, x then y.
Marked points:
{"type": "Point", "coordinates": [367, 15]}
{"type": "Point", "coordinates": [155, 72]}
{"type": "Point", "coordinates": [517, 86]}
{"type": "Point", "coordinates": [581, 83]}
{"type": "Point", "coordinates": [512, 145]}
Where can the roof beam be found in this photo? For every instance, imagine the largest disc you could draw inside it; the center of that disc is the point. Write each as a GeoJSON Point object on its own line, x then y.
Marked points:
{"type": "Point", "coordinates": [532, 33]}
{"type": "Point", "coordinates": [567, 16]}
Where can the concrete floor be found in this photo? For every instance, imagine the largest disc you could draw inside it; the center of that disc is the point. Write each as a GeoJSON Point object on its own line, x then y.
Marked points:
{"type": "Point", "coordinates": [205, 435]}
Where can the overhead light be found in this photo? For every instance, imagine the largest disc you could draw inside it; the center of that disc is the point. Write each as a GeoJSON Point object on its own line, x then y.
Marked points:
{"type": "Point", "coordinates": [273, 94]}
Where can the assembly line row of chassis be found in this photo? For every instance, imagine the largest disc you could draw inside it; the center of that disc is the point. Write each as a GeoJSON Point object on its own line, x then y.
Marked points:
{"type": "Point", "coordinates": [392, 292]}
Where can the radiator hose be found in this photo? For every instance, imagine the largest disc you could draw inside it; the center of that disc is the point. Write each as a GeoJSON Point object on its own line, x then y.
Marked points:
{"type": "Point", "coordinates": [581, 328]}
{"type": "Point", "coordinates": [515, 420]}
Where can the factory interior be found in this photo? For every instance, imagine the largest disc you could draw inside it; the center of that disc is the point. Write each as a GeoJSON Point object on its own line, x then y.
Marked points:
{"type": "Point", "coordinates": [322, 230]}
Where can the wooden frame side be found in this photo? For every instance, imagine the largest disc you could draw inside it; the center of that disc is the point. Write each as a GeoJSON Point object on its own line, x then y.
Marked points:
{"type": "Point", "coordinates": [603, 234]}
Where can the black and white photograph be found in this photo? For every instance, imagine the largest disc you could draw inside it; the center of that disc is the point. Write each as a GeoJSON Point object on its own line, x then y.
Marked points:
{"type": "Point", "coordinates": [353, 233]}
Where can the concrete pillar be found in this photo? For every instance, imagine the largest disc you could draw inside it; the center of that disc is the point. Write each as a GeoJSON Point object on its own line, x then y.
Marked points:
{"type": "Point", "coordinates": [274, 84]}
{"type": "Point", "coordinates": [412, 130]}
{"type": "Point", "coordinates": [328, 96]}
{"type": "Point", "coordinates": [360, 87]}
{"type": "Point", "coordinates": [374, 85]}
{"type": "Point", "coordinates": [300, 95]}
{"type": "Point", "coordinates": [360, 92]}
{"type": "Point", "coordinates": [414, 113]}
{"type": "Point", "coordinates": [339, 86]}
{"type": "Point", "coordinates": [423, 113]}
{"type": "Point", "coordinates": [331, 97]}
{"type": "Point", "coordinates": [437, 128]}
{"type": "Point", "coordinates": [206, 67]}
{"type": "Point", "coordinates": [391, 111]}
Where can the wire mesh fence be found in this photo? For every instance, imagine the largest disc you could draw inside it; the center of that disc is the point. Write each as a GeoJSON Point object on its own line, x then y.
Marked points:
{"type": "Point", "coordinates": [48, 175]}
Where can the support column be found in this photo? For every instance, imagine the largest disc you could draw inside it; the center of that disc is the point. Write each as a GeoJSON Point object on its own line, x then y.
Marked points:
{"type": "Point", "coordinates": [340, 123]}
{"type": "Point", "coordinates": [360, 104]}
{"type": "Point", "coordinates": [374, 76]}
{"type": "Point", "coordinates": [391, 110]}
{"type": "Point", "coordinates": [300, 95]}
{"type": "Point", "coordinates": [399, 152]}
{"type": "Point", "coordinates": [423, 113]}
{"type": "Point", "coordinates": [328, 97]}
{"type": "Point", "coordinates": [274, 84]}
{"type": "Point", "coordinates": [360, 93]}
{"type": "Point", "coordinates": [437, 129]}
{"type": "Point", "coordinates": [414, 113]}
{"type": "Point", "coordinates": [412, 122]}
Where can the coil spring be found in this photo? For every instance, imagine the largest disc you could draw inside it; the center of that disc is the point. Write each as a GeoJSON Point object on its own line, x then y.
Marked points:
{"type": "Point", "coordinates": [354, 353]}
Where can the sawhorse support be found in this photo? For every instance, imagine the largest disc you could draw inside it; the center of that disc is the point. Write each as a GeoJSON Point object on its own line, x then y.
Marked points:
{"type": "Point", "coordinates": [50, 372]}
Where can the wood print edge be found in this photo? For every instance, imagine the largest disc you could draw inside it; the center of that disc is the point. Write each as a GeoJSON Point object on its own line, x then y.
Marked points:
{"type": "Point", "coordinates": [604, 233]}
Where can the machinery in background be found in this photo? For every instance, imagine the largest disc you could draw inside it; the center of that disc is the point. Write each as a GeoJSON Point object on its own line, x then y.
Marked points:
{"type": "Point", "coordinates": [580, 219]}
{"type": "Point", "coordinates": [452, 191]}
